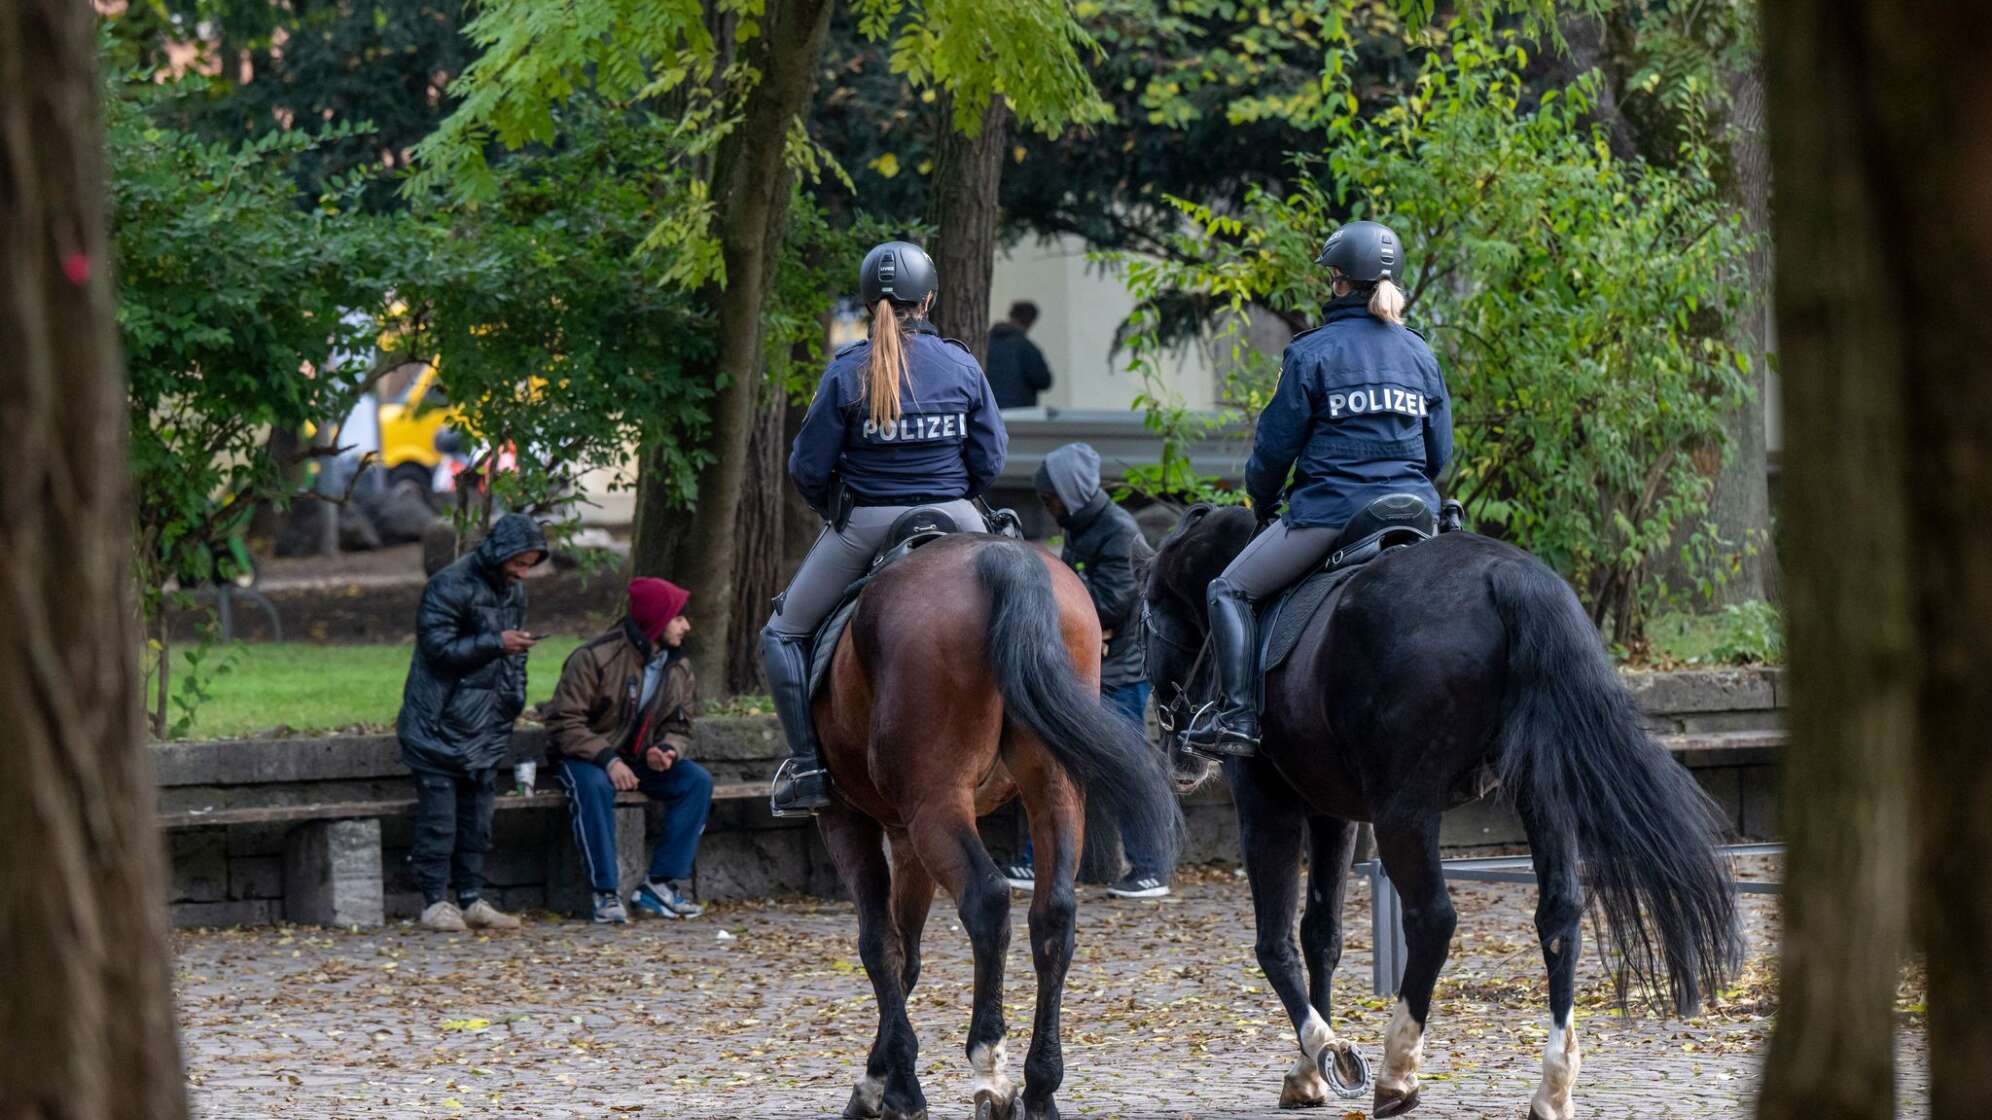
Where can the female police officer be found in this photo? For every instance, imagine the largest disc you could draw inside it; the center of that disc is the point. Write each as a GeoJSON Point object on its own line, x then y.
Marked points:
{"type": "Point", "coordinates": [902, 419]}
{"type": "Point", "coordinates": [1363, 409]}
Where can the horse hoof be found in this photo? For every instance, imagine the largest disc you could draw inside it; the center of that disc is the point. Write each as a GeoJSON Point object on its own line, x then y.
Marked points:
{"type": "Point", "coordinates": [990, 1107]}
{"type": "Point", "coordinates": [1295, 1095]}
{"type": "Point", "coordinates": [1046, 1111]}
{"type": "Point", "coordinates": [857, 1109]}
{"type": "Point", "coordinates": [1346, 1071]}
{"type": "Point", "coordinates": [1393, 1102]}
{"type": "Point", "coordinates": [915, 1114]}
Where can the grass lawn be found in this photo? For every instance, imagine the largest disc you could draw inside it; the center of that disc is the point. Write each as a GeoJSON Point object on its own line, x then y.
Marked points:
{"type": "Point", "coordinates": [312, 688]}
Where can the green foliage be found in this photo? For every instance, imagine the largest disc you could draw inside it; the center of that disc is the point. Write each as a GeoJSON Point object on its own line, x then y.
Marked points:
{"type": "Point", "coordinates": [1750, 633]}
{"type": "Point", "coordinates": [552, 315]}
{"type": "Point", "coordinates": [1579, 304]}
{"type": "Point", "coordinates": [239, 314]}
{"type": "Point", "coordinates": [538, 55]}
{"type": "Point", "coordinates": [381, 64]}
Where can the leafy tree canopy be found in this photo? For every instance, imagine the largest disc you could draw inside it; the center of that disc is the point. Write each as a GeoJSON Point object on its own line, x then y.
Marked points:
{"type": "Point", "coordinates": [1579, 303]}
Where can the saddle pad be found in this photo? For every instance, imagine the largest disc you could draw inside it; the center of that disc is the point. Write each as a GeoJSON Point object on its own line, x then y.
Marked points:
{"type": "Point", "coordinates": [824, 647]}
{"type": "Point", "coordinates": [1281, 627]}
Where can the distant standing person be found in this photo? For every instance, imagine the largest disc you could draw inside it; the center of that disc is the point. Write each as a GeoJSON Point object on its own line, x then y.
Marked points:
{"type": "Point", "coordinates": [621, 719]}
{"type": "Point", "coordinates": [466, 687]}
{"type": "Point", "coordinates": [1017, 370]}
{"type": "Point", "coordinates": [1102, 544]}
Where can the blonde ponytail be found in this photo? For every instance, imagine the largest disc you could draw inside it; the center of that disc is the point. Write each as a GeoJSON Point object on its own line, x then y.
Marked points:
{"type": "Point", "coordinates": [1387, 302]}
{"type": "Point", "coordinates": [885, 366]}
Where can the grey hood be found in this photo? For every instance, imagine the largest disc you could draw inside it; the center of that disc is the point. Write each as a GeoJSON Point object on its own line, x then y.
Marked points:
{"type": "Point", "coordinates": [1073, 473]}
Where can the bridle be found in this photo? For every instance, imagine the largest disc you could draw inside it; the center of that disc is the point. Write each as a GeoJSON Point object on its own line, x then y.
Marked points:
{"type": "Point", "coordinates": [1187, 689]}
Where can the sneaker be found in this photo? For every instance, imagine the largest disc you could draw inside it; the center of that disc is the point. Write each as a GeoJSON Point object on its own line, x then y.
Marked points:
{"type": "Point", "coordinates": [443, 917]}
{"type": "Point", "coordinates": [1021, 876]}
{"type": "Point", "coordinates": [664, 900]}
{"type": "Point", "coordinates": [1139, 886]}
{"type": "Point", "coordinates": [609, 909]}
{"type": "Point", "coordinates": [482, 915]}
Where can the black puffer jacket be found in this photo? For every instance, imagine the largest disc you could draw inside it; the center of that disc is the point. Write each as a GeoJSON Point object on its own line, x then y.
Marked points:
{"type": "Point", "coordinates": [464, 691]}
{"type": "Point", "coordinates": [1102, 544]}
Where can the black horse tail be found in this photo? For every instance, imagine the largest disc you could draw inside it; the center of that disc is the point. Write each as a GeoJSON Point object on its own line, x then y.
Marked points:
{"type": "Point", "coordinates": [1574, 749]}
{"type": "Point", "coordinates": [1108, 755]}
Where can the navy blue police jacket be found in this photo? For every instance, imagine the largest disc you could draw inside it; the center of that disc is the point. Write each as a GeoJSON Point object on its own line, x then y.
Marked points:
{"type": "Point", "coordinates": [1361, 412]}
{"type": "Point", "coordinates": [949, 442]}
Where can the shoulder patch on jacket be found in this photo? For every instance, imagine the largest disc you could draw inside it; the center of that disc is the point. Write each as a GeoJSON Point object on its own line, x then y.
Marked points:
{"type": "Point", "coordinates": [1304, 334]}
{"type": "Point", "coordinates": [1416, 331]}
{"type": "Point", "coordinates": [848, 348]}
{"type": "Point", "coordinates": [960, 343]}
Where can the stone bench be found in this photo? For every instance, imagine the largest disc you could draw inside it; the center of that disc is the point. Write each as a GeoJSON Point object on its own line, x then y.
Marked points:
{"type": "Point", "coordinates": [332, 861]}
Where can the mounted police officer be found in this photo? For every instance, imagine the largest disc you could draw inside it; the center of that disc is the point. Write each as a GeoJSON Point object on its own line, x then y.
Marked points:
{"type": "Point", "coordinates": [902, 419]}
{"type": "Point", "coordinates": [1361, 412]}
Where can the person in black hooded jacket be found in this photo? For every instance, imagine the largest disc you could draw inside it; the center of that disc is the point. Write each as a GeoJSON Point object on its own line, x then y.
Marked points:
{"type": "Point", "coordinates": [466, 686]}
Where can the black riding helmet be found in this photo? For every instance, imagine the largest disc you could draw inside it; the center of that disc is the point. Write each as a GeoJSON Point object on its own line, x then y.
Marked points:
{"type": "Point", "coordinates": [899, 271]}
{"type": "Point", "coordinates": [1365, 252]}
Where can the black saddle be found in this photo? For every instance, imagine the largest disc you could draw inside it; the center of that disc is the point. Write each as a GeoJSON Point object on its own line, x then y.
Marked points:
{"type": "Point", "coordinates": [1389, 523]}
{"type": "Point", "coordinates": [915, 527]}
{"type": "Point", "coordinates": [919, 526]}
{"type": "Point", "coordinates": [1392, 521]}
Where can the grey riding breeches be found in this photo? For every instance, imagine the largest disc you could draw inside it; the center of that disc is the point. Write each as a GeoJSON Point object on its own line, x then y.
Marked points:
{"type": "Point", "coordinates": [838, 558]}
{"type": "Point", "coordinates": [1278, 557]}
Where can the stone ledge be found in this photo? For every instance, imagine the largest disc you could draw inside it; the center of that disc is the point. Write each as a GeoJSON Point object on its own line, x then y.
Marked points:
{"type": "Point", "coordinates": [1691, 700]}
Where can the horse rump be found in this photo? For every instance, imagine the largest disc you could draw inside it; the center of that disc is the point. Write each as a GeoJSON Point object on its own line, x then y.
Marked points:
{"type": "Point", "coordinates": [1042, 692]}
{"type": "Point", "coordinates": [1572, 745]}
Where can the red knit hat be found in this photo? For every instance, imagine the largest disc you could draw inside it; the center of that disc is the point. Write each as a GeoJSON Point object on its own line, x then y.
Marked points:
{"type": "Point", "coordinates": [653, 603]}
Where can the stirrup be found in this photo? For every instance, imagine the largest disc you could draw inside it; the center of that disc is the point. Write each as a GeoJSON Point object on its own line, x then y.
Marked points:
{"type": "Point", "coordinates": [796, 792]}
{"type": "Point", "coordinates": [1210, 736]}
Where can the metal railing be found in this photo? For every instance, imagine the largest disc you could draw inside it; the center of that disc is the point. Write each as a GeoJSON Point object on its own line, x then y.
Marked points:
{"type": "Point", "coordinates": [1387, 909]}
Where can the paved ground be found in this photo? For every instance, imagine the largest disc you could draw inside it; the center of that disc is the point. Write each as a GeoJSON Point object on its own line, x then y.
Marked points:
{"type": "Point", "coordinates": [760, 1010]}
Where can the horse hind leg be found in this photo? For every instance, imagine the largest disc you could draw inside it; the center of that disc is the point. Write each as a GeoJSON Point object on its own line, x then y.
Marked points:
{"type": "Point", "coordinates": [1411, 855]}
{"type": "Point", "coordinates": [1056, 808]}
{"type": "Point", "coordinates": [1559, 925]}
{"type": "Point", "coordinates": [890, 1088]}
{"type": "Point", "coordinates": [952, 852]}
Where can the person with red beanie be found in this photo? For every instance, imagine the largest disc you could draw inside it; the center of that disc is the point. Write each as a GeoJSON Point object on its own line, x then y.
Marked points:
{"type": "Point", "coordinates": [620, 720]}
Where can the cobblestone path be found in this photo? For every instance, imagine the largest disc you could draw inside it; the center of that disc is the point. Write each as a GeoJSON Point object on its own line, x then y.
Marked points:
{"type": "Point", "coordinates": [761, 1010]}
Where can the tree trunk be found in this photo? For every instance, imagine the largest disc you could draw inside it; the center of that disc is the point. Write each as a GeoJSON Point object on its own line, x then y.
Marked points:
{"type": "Point", "coordinates": [962, 208]}
{"type": "Point", "coordinates": [1882, 133]}
{"type": "Point", "coordinates": [86, 1013]}
{"type": "Point", "coordinates": [750, 181]}
{"type": "Point", "coordinates": [762, 526]}
{"type": "Point", "coordinates": [1740, 505]}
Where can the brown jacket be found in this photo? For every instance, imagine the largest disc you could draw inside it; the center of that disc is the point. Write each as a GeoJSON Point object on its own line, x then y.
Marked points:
{"type": "Point", "coordinates": [593, 713]}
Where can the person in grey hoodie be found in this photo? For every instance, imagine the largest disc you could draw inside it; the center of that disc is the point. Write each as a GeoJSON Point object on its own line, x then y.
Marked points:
{"type": "Point", "coordinates": [1103, 544]}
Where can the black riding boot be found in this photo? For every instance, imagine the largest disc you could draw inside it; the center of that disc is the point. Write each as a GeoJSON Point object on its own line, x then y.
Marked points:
{"type": "Point", "coordinates": [1234, 729]}
{"type": "Point", "coordinates": [802, 786]}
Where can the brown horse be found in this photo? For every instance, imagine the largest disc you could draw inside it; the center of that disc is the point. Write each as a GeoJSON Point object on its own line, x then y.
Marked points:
{"type": "Point", "coordinates": [970, 674]}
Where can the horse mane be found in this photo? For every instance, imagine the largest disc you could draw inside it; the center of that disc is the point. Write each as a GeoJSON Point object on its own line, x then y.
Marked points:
{"type": "Point", "coordinates": [1196, 550]}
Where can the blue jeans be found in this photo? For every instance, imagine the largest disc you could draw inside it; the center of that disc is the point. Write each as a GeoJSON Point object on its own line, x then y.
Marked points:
{"type": "Point", "coordinates": [1143, 851]}
{"type": "Point", "coordinates": [685, 791]}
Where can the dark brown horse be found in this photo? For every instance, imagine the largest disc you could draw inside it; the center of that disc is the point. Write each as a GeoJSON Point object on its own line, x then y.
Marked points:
{"type": "Point", "coordinates": [970, 674]}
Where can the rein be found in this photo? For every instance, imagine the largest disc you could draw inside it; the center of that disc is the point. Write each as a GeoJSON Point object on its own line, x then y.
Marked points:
{"type": "Point", "coordinates": [1190, 688]}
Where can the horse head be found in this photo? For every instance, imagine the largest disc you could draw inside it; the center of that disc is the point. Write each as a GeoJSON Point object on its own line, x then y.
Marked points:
{"type": "Point", "coordinates": [1174, 625]}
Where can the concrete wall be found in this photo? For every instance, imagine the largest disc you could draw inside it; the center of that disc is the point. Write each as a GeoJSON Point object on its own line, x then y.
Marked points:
{"type": "Point", "coordinates": [1079, 307]}
{"type": "Point", "coordinates": [237, 874]}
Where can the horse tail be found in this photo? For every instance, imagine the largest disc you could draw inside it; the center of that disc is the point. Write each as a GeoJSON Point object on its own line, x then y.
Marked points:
{"type": "Point", "coordinates": [1574, 749]}
{"type": "Point", "coordinates": [1109, 756]}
